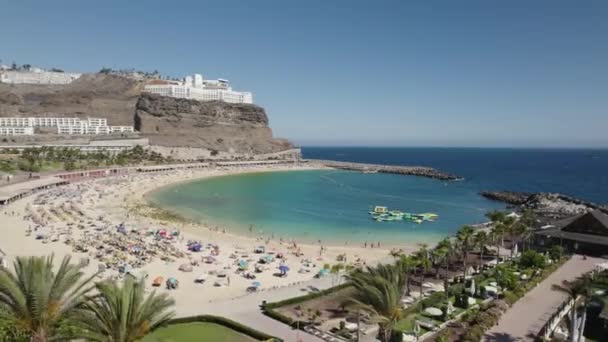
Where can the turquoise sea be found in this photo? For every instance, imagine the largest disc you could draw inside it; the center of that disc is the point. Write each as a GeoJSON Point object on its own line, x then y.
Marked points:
{"type": "Point", "coordinates": [333, 206]}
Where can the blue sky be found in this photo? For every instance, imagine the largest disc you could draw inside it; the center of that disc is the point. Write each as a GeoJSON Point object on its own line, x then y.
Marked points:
{"type": "Point", "coordinates": [407, 73]}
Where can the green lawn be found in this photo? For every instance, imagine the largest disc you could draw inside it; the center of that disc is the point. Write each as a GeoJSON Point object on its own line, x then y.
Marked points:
{"type": "Point", "coordinates": [196, 332]}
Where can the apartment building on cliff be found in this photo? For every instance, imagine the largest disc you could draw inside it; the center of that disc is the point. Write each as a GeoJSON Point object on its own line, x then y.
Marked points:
{"type": "Point", "coordinates": [196, 88]}
{"type": "Point", "coordinates": [64, 126]}
{"type": "Point", "coordinates": [37, 76]}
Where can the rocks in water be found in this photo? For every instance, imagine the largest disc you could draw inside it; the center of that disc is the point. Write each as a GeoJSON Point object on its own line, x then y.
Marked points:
{"type": "Point", "coordinates": [396, 169]}
{"type": "Point", "coordinates": [509, 197]}
{"type": "Point", "coordinates": [544, 204]}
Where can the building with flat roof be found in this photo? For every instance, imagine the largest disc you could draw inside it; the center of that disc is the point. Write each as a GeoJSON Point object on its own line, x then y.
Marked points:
{"type": "Point", "coordinates": [195, 87]}
{"type": "Point", "coordinates": [12, 131]}
{"type": "Point", "coordinates": [65, 126]}
{"type": "Point", "coordinates": [37, 76]}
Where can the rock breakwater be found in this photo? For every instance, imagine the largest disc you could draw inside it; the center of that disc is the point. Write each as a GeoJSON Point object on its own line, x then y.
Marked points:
{"type": "Point", "coordinates": [553, 205]}
{"type": "Point", "coordinates": [421, 171]}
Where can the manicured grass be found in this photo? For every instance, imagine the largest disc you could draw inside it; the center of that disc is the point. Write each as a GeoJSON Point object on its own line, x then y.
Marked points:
{"type": "Point", "coordinates": [196, 332]}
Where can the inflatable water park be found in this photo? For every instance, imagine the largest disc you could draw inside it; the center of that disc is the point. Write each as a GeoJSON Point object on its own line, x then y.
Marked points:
{"type": "Point", "coordinates": [383, 214]}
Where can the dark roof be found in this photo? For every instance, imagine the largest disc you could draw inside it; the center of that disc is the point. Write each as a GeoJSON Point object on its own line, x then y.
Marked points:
{"type": "Point", "coordinates": [590, 227]}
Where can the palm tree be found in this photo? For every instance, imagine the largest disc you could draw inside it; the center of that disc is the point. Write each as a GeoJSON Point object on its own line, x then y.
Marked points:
{"type": "Point", "coordinates": [407, 264]}
{"type": "Point", "coordinates": [465, 240]}
{"type": "Point", "coordinates": [581, 287]}
{"type": "Point", "coordinates": [496, 235]}
{"type": "Point", "coordinates": [124, 313]}
{"type": "Point", "coordinates": [526, 223]}
{"type": "Point", "coordinates": [438, 254]}
{"type": "Point", "coordinates": [378, 291]}
{"type": "Point", "coordinates": [449, 248]}
{"type": "Point", "coordinates": [41, 299]}
{"type": "Point", "coordinates": [424, 261]}
{"type": "Point", "coordinates": [480, 240]}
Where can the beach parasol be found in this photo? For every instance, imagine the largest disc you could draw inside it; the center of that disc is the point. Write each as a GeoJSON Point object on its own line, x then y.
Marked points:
{"type": "Point", "coordinates": [431, 311]}
{"type": "Point", "coordinates": [284, 269]}
{"type": "Point", "coordinates": [157, 281]}
{"type": "Point", "coordinates": [243, 265]}
{"type": "Point", "coordinates": [201, 278]}
{"type": "Point", "coordinates": [209, 259]}
{"type": "Point", "coordinates": [256, 284]}
{"type": "Point", "coordinates": [185, 268]}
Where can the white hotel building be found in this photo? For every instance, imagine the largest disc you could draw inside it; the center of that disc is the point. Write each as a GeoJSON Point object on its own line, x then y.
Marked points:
{"type": "Point", "coordinates": [196, 88]}
{"type": "Point", "coordinates": [16, 131]}
{"type": "Point", "coordinates": [37, 77]}
{"type": "Point", "coordinates": [65, 126]}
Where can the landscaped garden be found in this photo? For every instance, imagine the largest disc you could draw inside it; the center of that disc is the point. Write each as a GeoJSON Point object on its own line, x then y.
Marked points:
{"type": "Point", "coordinates": [407, 300]}
{"type": "Point", "coordinates": [196, 332]}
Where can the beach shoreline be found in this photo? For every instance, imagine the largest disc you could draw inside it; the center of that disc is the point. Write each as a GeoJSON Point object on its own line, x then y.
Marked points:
{"type": "Point", "coordinates": [111, 201]}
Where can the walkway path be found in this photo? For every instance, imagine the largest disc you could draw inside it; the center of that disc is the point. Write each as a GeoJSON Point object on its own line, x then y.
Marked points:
{"type": "Point", "coordinates": [246, 310]}
{"type": "Point", "coordinates": [525, 319]}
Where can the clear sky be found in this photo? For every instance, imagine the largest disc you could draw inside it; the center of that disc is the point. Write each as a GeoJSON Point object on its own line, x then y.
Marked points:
{"type": "Point", "coordinates": [407, 73]}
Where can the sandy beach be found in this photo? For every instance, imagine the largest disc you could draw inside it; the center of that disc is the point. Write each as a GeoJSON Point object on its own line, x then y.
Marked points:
{"type": "Point", "coordinates": [108, 222]}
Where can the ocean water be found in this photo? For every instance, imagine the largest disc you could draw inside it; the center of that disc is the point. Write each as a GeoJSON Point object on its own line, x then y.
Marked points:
{"type": "Point", "coordinates": [333, 205]}
{"type": "Point", "coordinates": [582, 173]}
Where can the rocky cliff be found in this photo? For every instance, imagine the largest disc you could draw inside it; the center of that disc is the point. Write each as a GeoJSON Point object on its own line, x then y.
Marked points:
{"type": "Point", "coordinates": [215, 125]}
{"type": "Point", "coordinates": [92, 95]}
{"type": "Point", "coordinates": [235, 129]}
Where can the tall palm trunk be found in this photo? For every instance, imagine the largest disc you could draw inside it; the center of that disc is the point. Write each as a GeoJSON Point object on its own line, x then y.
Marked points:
{"type": "Point", "coordinates": [581, 330]}
{"type": "Point", "coordinates": [573, 322]}
{"type": "Point", "coordinates": [421, 282]}
{"type": "Point", "coordinates": [447, 275]}
{"type": "Point", "coordinates": [464, 263]}
{"type": "Point", "coordinates": [498, 253]}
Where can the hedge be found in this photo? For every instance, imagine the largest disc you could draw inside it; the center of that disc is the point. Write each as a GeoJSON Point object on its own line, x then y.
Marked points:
{"type": "Point", "coordinates": [267, 308]}
{"type": "Point", "coordinates": [228, 323]}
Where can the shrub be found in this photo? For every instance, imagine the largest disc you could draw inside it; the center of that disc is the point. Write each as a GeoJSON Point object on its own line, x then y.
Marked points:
{"type": "Point", "coordinates": [455, 290]}
{"type": "Point", "coordinates": [482, 292]}
{"type": "Point", "coordinates": [510, 297]}
{"type": "Point", "coordinates": [474, 334]}
{"type": "Point", "coordinates": [556, 252]}
{"type": "Point", "coordinates": [532, 258]}
{"type": "Point", "coordinates": [434, 300]}
{"type": "Point", "coordinates": [396, 336]}
{"type": "Point", "coordinates": [462, 300]}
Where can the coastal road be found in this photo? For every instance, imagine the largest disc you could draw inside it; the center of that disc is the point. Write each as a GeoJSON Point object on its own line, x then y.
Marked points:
{"type": "Point", "coordinates": [525, 319]}
{"type": "Point", "coordinates": [246, 309]}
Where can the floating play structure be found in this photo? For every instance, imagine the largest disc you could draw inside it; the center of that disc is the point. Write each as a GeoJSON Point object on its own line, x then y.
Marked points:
{"type": "Point", "coordinates": [383, 214]}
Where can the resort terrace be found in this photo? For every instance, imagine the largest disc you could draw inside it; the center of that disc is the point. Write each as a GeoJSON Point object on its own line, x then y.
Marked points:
{"type": "Point", "coordinates": [16, 191]}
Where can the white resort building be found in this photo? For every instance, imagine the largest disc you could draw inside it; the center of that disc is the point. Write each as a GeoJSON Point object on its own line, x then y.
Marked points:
{"type": "Point", "coordinates": [65, 126]}
{"type": "Point", "coordinates": [196, 88]}
{"type": "Point", "coordinates": [37, 76]}
{"type": "Point", "coordinates": [16, 130]}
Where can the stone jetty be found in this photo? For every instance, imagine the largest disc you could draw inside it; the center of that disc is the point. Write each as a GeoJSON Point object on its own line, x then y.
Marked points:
{"type": "Point", "coordinates": [421, 171]}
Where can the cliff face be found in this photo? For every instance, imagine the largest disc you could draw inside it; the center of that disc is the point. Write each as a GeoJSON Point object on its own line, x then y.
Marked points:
{"type": "Point", "coordinates": [166, 121]}
{"type": "Point", "coordinates": [92, 95]}
{"type": "Point", "coordinates": [215, 125]}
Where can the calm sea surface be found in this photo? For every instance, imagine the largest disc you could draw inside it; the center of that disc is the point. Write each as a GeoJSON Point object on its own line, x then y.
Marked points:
{"type": "Point", "coordinates": [333, 205]}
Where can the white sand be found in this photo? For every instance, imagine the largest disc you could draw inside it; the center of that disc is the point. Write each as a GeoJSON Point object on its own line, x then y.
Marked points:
{"type": "Point", "coordinates": [115, 200]}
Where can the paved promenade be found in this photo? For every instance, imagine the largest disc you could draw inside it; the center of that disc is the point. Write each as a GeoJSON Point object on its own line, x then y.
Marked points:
{"type": "Point", "coordinates": [525, 319]}
{"type": "Point", "coordinates": [246, 310]}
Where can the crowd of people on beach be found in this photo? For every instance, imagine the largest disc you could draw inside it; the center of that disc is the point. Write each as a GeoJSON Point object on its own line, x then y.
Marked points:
{"type": "Point", "coordinates": [97, 220]}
